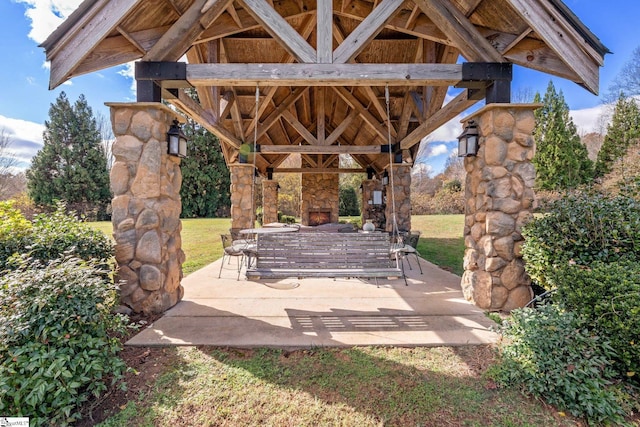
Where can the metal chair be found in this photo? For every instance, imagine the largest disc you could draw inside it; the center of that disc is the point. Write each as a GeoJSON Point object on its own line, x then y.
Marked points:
{"type": "Point", "coordinates": [230, 250]}
{"type": "Point", "coordinates": [404, 245]}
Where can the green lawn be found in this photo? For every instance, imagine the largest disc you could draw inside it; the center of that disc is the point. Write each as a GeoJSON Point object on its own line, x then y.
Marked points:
{"type": "Point", "coordinates": [441, 241]}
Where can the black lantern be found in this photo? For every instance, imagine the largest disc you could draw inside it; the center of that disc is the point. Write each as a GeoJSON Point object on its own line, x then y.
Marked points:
{"type": "Point", "coordinates": [468, 140]}
{"type": "Point", "coordinates": [176, 141]}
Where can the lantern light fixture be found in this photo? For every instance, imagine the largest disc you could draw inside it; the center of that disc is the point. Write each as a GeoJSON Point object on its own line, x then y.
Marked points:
{"type": "Point", "coordinates": [176, 141]}
{"type": "Point", "coordinates": [468, 140]}
{"type": "Point", "coordinates": [385, 178]}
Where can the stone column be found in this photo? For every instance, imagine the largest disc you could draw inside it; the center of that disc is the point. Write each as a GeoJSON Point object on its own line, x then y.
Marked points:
{"type": "Point", "coordinates": [242, 215]}
{"type": "Point", "coordinates": [269, 201]}
{"type": "Point", "coordinates": [374, 212]}
{"type": "Point", "coordinates": [402, 192]}
{"type": "Point", "coordinates": [146, 182]}
{"type": "Point", "coordinates": [500, 199]}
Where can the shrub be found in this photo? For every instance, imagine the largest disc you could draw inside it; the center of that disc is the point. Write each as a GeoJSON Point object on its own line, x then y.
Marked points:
{"type": "Point", "coordinates": [551, 354]}
{"type": "Point", "coordinates": [582, 228]}
{"type": "Point", "coordinates": [607, 296]}
{"type": "Point", "coordinates": [58, 339]}
{"type": "Point", "coordinates": [51, 236]}
{"type": "Point", "coordinates": [14, 231]}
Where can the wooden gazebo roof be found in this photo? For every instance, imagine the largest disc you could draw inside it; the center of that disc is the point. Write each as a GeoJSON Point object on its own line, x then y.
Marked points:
{"type": "Point", "coordinates": [322, 66]}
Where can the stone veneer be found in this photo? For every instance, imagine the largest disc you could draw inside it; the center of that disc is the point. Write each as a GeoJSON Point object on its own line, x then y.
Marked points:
{"type": "Point", "coordinates": [320, 192]}
{"type": "Point", "coordinates": [402, 192]}
{"type": "Point", "coordinates": [500, 199]}
{"type": "Point", "coordinates": [269, 201]}
{"type": "Point", "coordinates": [242, 182]}
{"type": "Point", "coordinates": [376, 213]}
{"type": "Point", "coordinates": [146, 182]}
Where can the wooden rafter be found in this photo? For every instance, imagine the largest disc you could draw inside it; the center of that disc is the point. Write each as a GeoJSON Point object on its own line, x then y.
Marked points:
{"type": "Point", "coordinates": [280, 30]}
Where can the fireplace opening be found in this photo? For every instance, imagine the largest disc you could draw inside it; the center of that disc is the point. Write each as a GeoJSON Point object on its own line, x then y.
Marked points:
{"type": "Point", "coordinates": [319, 217]}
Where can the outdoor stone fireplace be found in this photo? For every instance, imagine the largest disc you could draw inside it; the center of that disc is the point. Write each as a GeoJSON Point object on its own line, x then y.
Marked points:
{"type": "Point", "coordinates": [320, 196]}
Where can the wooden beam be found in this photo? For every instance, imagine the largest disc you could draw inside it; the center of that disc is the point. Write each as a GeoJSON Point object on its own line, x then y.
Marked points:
{"type": "Point", "coordinates": [571, 48]}
{"type": "Point", "coordinates": [319, 170]}
{"type": "Point", "coordinates": [67, 53]}
{"type": "Point", "coordinates": [366, 31]}
{"type": "Point", "coordinates": [187, 104]}
{"type": "Point", "coordinates": [320, 114]}
{"type": "Point", "coordinates": [275, 115]}
{"type": "Point", "coordinates": [339, 130]}
{"type": "Point", "coordinates": [354, 103]}
{"type": "Point", "coordinates": [324, 32]}
{"type": "Point", "coordinates": [280, 30]}
{"type": "Point", "coordinates": [320, 149]}
{"type": "Point", "coordinates": [175, 42]}
{"type": "Point", "coordinates": [462, 32]}
{"type": "Point", "coordinates": [299, 127]}
{"type": "Point", "coordinates": [324, 74]}
{"type": "Point", "coordinates": [456, 106]}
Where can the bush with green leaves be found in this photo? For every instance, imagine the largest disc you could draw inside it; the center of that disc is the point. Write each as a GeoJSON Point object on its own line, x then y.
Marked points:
{"type": "Point", "coordinates": [551, 354]}
{"type": "Point", "coordinates": [58, 339]}
{"type": "Point", "coordinates": [50, 236]}
{"type": "Point", "coordinates": [607, 297]}
{"type": "Point", "coordinates": [582, 228]}
{"type": "Point", "coordinates": [14, 231]}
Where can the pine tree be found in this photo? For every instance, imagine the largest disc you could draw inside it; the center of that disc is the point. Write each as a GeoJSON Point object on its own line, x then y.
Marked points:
{"type": "Point", "coordinates": [623, 130]}
{"type": "Point", "coordinates": [561, 159]}
{"type": "Point", "coordinates": [205, 190]}
{"type": "Point", "coordinates": [71, 166]}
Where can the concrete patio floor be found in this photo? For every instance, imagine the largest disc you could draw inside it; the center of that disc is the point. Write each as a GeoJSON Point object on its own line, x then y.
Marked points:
{"type": "Point", "coordinates": [292, 313]}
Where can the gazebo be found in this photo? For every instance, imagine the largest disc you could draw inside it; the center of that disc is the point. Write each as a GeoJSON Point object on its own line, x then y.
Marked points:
{"type": "Point", "coordinates": [368, 78]}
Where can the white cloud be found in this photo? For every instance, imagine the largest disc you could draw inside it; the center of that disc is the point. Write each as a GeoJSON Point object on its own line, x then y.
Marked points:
{"type": "Point", "coordinates": [25, 138]}
{"type": "Point", "coordinates": [47, 15]}
{"type": "Point", "coordinates": [436, 150]}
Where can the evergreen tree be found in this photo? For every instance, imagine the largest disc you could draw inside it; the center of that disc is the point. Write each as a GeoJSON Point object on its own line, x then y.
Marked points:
{"type": "Point", "coordinates": [623, 130]}
{"type": "Point", "coordinates": [561, 159]}
{"type": "Point", "coordinates": [206, 181]}
{"type": "Point", "coordinates": [71, 166]}
{"type": "Point", "coordinates": [349, 205]}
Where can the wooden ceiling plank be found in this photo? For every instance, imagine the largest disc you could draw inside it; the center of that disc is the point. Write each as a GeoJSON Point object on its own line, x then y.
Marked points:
{"type": "Point", "coordinates": [456, 106]}
{"type": "Point", "coordinates": [405, 116]}
{"type": "Point", "coordinates": [366, 31]}
{"type": "Point", "coordinates": [231, 10]}
{"type": "Point", "coordinates": [462, 32]}
{"type": "Point", "coordinates": [354, 103]}
{"type": "Point", "coordinates": [280, 30]}
{"type": "Point", "coordinates": [78, 43]}
{"type": "Point", "coordinates": [323, 74]}
{"type": "Point", "coordinates": [563, 43]}
{"type": "Point", "coordinates": [325, 32]}
{"type": "Point", "coordinates": [175, 42]}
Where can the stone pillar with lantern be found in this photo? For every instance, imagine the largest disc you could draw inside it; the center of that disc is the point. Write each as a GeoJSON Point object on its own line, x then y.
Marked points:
{"type": "Point", "coordinates": [498, 147]}
{"type": "Point", "coordinates": [145, 181]}
{"type": "Point", "coordinates": [397, 180]}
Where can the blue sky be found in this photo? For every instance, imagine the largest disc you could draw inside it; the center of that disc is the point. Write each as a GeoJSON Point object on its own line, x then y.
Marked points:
{"type": "Point", "coordinates": [25, 98]}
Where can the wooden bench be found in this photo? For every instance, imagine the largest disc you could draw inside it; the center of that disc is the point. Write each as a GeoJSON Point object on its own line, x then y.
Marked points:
{"type": "Point", "coordinates": [324, 255]}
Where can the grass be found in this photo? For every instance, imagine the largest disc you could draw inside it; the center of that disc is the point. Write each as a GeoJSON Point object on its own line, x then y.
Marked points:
{"type": "Point", "coordinates": [441, 241]}
{"type": "Point", "coordinates": [369, 386]}
{"type": "Point", "coordinates": [366, 386]}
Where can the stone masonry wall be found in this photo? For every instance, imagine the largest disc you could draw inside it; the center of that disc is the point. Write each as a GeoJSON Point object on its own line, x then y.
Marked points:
{"type": "Point", "coordinates": [376, 213]}
{"type": "Point", "coordinates": [146, 182]}
{"type": "Point", "coordinates": [242, 196]}
{"type": "Point", "coordinates": [402, 192]}
{"type": "Point", "coordinates": [320, 192]}
{"type": "Point", "coordinates": [269, 201]}
{"type": "Point", "coordinates": [500, 199]}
